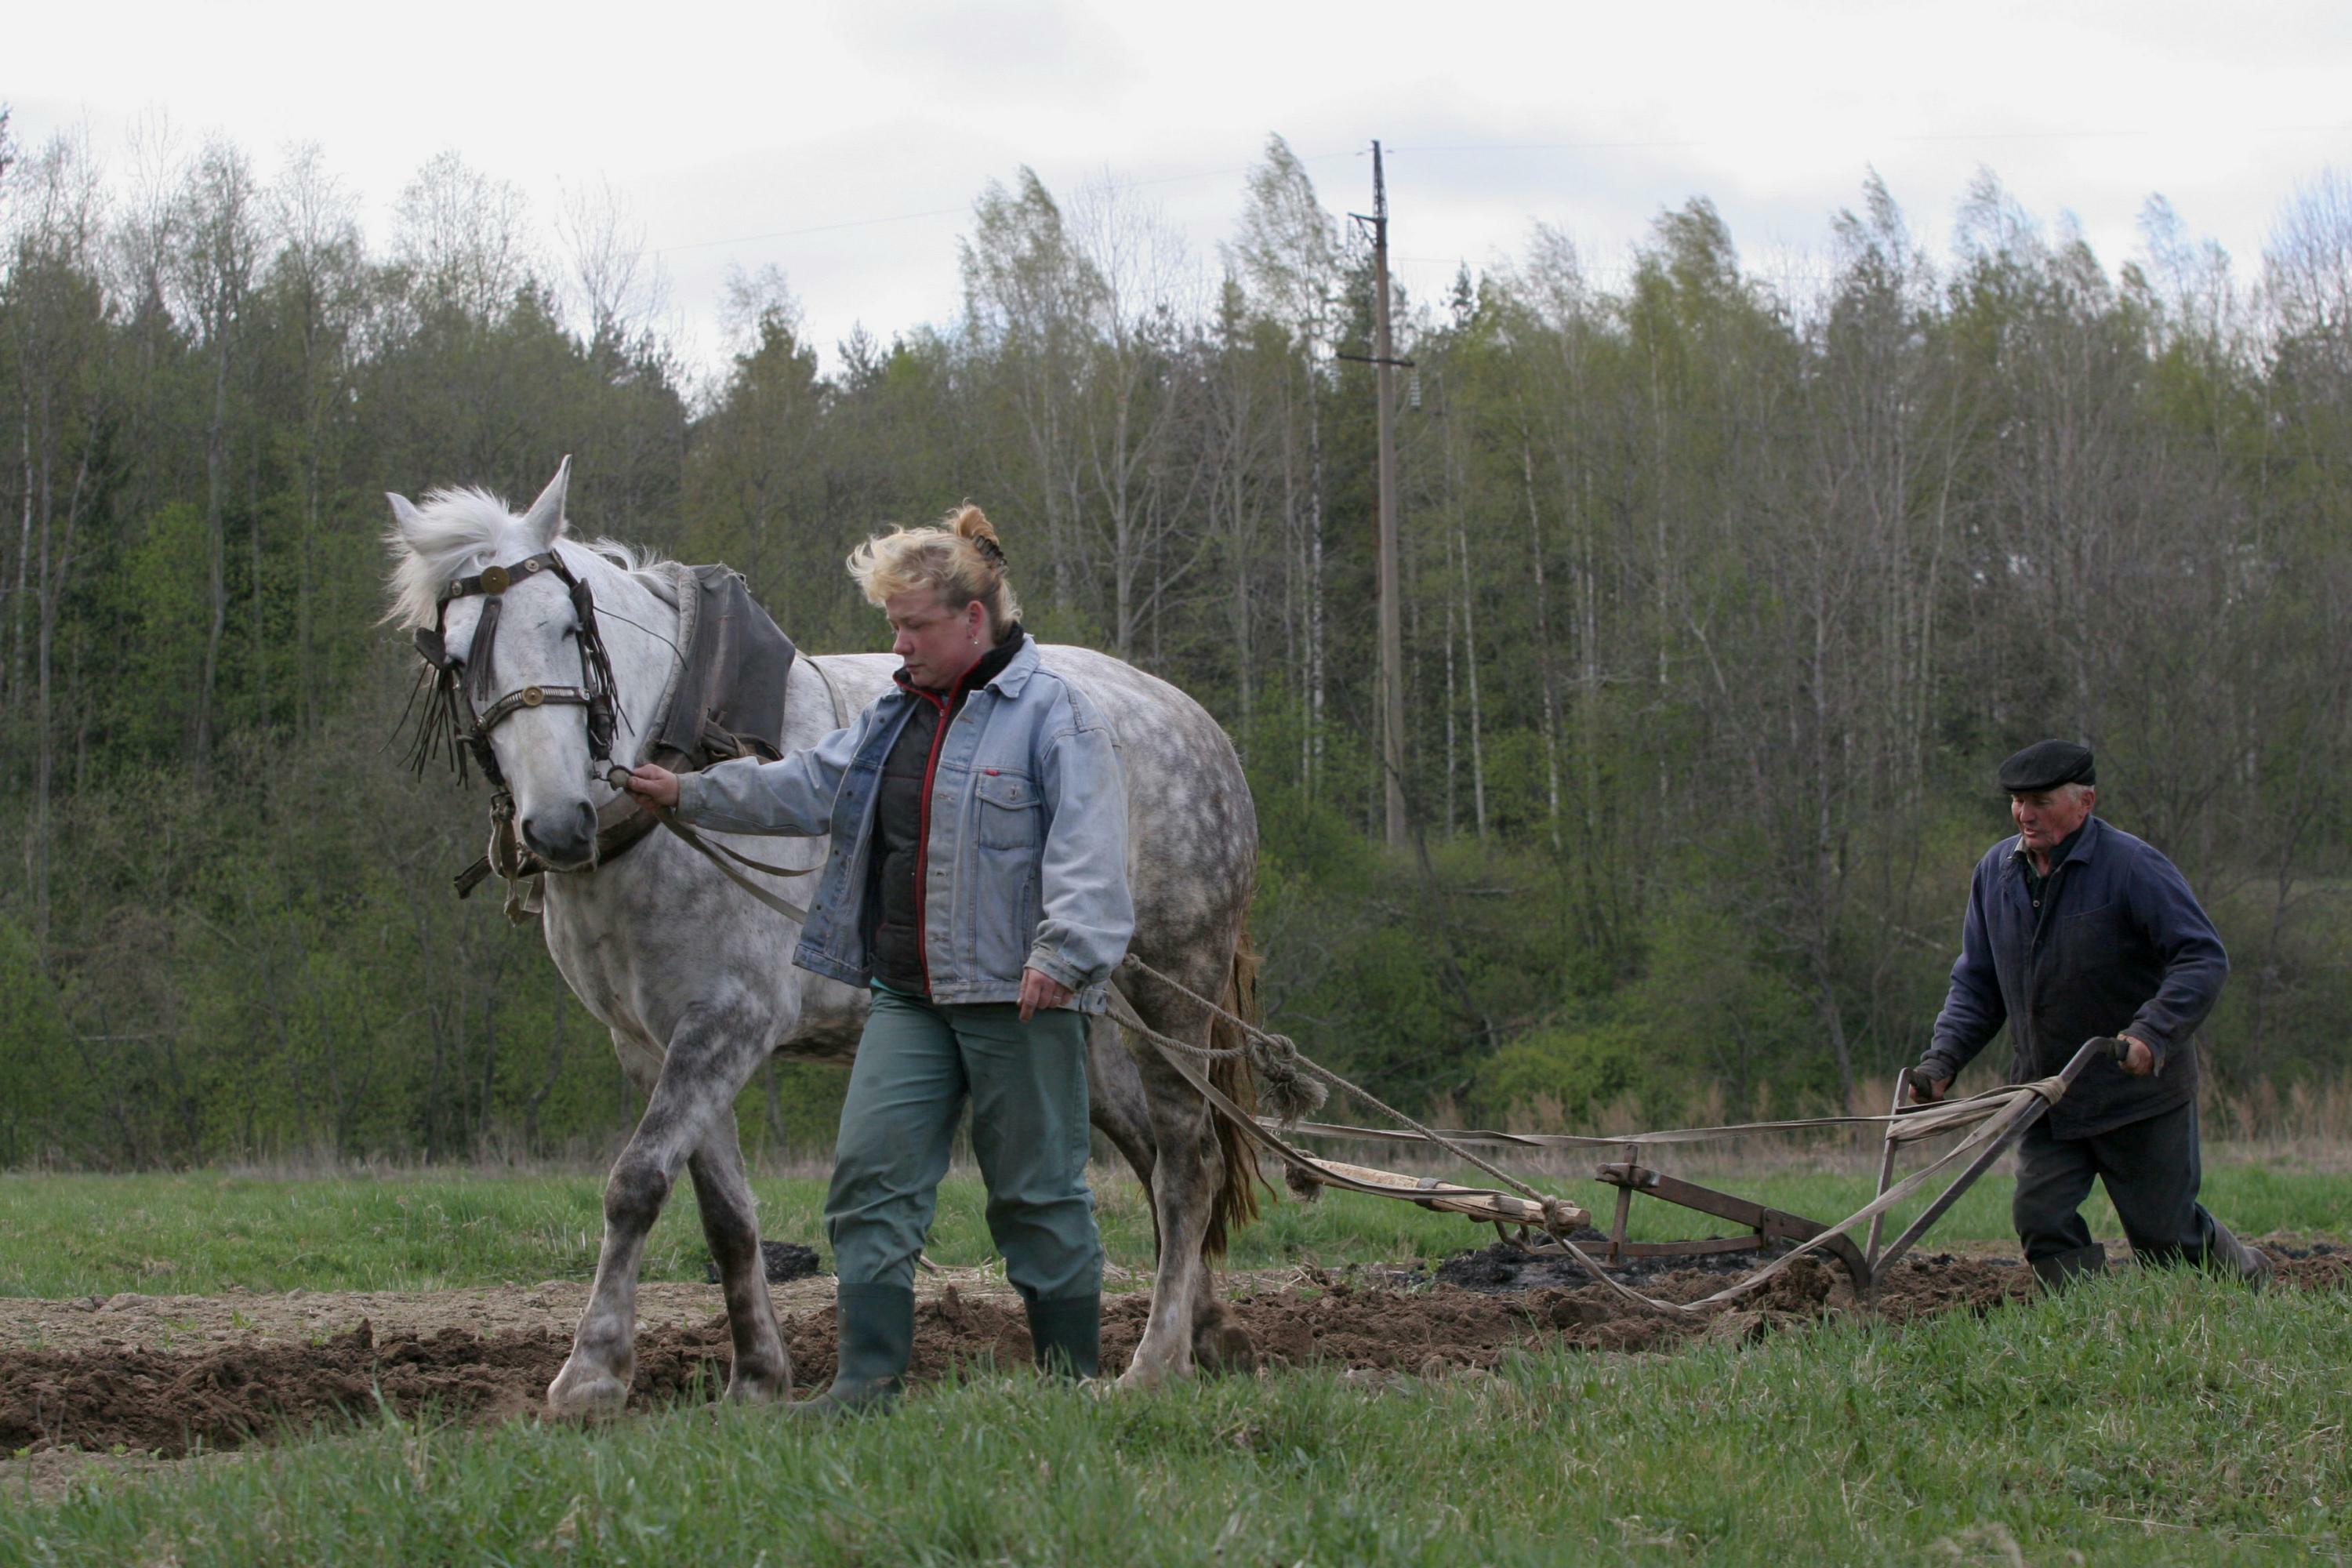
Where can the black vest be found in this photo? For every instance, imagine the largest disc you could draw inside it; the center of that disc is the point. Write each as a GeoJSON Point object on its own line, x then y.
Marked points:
{"type": "Point", "coordinates": [893, 900]}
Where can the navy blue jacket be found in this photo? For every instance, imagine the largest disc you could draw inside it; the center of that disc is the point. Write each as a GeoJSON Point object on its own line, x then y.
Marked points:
{"type": "Point", "coordinates": [2119, 946]}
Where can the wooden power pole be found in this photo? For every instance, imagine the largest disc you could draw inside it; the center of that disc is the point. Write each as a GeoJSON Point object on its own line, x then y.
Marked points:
{"type": "Point", "coordinates": [1384, 365]}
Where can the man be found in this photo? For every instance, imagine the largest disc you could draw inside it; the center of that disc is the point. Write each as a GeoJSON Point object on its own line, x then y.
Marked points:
{"type": "Point", "coordinates": [2076, 930]}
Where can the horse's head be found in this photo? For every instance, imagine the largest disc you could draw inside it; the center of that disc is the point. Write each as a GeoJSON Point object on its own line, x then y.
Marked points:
{"type": "Point", "coordinates": [502, 609]}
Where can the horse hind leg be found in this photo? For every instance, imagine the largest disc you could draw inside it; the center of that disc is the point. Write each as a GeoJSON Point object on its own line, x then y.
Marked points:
{"type": "Point", "coordinates": [711, 1053]}
{"type": "Point", "coordinates": [1116, 1101]}
{"type": "Point", "coordinates": [1190, 1174]}
{"type": "Point", "coordinates": [763, 1370]}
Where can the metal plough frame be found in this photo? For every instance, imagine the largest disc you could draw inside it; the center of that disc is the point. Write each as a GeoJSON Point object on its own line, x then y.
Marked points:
{"type": "Point", "coordinates": [1867, 1264]}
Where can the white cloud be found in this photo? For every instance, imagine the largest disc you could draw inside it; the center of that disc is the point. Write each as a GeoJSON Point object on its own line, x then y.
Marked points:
{"type": "Point", "coordinates": [810, 122]}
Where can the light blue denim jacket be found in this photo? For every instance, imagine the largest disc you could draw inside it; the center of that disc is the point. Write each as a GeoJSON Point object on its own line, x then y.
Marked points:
{"type": "Point", "coordinates": [1027, 855]}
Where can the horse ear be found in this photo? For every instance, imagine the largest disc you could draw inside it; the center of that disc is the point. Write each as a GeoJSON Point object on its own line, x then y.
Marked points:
{"type": "Point", "coordinates": [543, 524]}
{"type": "Point", "coordinates": [404, 515]}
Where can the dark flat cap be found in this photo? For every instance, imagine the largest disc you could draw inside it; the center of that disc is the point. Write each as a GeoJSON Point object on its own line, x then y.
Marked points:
{"type": "Point", "coordinates": [2046, 764]}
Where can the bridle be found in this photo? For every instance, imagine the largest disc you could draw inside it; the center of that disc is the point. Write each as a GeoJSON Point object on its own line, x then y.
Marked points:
{"type": "Point", "coordinates": [459, 688]}
{"type": "Point", "coordinates": [453, 711]}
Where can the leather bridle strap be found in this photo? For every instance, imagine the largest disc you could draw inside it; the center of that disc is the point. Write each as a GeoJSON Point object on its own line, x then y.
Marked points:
{"type": "Point", "coordinates": [594, 693]}
{"type": "Point", "coordinates": [533, 697]}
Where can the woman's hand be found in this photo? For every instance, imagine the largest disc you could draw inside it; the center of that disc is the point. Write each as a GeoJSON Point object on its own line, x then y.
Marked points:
{"type": "Point", "coordinates": [1040, 990]}
{"type": "Point", "coordinates": [654, 786]}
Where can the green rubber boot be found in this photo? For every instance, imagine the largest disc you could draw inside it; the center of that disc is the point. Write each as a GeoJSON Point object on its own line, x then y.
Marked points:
{"type": "Point", "coordinates": [1068, 1334]}
{"type": "Point", "coordinates": [2062, 1269]}
{"type": "Point", "coordinates": [2225, 1254]}
{"type": "Point", "coordinates": [875, 1328]}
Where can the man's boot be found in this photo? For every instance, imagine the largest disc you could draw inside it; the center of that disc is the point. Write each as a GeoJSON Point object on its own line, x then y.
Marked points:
{"type": "Point", "coordinates": [1068, 1334]}
{"type": "Point", "coordinates": [2060, 1270]}
{"type": "Point", "coordinates": [875, 1325]}
{"type": "Point", "coordinates": [2225, 1254]}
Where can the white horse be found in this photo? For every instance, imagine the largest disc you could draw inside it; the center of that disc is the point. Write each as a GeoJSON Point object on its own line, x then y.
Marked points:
{"type": "Point", "coordinates": [694, 978]}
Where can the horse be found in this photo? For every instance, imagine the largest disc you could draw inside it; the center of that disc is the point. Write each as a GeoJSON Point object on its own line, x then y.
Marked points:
{"type": "Point", "coordinates": [691, 976]}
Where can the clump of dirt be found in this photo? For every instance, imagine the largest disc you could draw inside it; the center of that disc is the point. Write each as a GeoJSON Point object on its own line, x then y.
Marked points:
{"type": "Point", "coordinates": [2318, 1266]}
{"type": "Point", "coordinates": [1928, 1287]}
{"type": "Point", "coordinates": [152, 1401]}
{"type": "Point", "coordinates": [1500, 1265]}
{"type": "Point", "coordinates": [785, 1261]}
{"type": "Point", "coordinates": [156, 1401]}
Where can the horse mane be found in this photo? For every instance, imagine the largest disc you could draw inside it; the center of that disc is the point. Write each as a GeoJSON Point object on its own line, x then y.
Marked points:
{"type": "Point", "coordinates": [460, 530]}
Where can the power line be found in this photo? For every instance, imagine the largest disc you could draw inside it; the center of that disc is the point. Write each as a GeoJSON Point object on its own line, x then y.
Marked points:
{"type": "Point", "coordinates": [1672, 145]}
{"type": "Point", "coordinates": [1933, 136]}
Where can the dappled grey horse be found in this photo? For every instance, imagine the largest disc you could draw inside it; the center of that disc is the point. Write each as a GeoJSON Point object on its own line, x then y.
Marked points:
{"type": "Point", "coordinates": [693, 978]}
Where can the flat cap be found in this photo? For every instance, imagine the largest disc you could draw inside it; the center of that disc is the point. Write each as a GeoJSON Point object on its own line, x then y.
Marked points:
{"type": "Point", "coordinates": [2046, 764]}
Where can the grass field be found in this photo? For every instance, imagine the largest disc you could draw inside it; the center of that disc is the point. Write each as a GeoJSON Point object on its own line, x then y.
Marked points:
{"type": "Point", "coordinates": [2156, 1418]}
{"type": "Point", "coordinates": [203, 1233]}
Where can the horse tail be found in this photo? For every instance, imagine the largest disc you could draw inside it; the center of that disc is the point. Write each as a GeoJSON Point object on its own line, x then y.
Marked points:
{"type": "Point", "coordinates": [1237, 1193]}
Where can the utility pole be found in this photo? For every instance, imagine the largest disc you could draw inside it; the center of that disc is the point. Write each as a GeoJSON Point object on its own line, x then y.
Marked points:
{"type": "Point", "coordinates": [1384, 363]}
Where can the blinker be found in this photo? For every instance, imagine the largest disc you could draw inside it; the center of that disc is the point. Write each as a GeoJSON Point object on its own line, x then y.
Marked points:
{"type": "Point", "coordinates": [430, 645]}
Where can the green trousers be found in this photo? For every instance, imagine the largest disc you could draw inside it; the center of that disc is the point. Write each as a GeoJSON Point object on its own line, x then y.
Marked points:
{"type": "Point", "coordinates": [917, 1064]}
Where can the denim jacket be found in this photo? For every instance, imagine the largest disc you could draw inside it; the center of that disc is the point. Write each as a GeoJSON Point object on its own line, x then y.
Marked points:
{"type": "Point", "coordinates": [1026, 862]}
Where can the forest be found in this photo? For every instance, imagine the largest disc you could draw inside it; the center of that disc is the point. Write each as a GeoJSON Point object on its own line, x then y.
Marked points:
{"type": "Point", "coordinates": [1724, 592]}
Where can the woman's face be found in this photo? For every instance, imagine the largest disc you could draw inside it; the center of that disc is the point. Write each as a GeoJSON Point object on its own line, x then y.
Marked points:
{"type": "Point", "coordinates": [936, 645]}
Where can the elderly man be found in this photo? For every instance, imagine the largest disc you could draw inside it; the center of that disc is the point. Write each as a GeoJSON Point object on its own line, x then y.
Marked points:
{"type": "Point", "coordinates": [2077, 930]}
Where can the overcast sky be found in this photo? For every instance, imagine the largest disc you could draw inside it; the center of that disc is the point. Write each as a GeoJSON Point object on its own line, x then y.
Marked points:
{"type": "Point", "coordinates": [844, 142]}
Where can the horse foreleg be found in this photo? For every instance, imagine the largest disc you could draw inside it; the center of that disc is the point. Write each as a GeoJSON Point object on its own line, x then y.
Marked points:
{"type": "Point", "coordinates": [711, 1054]}
{"type": "Point", "coordinates": [730, 1224]}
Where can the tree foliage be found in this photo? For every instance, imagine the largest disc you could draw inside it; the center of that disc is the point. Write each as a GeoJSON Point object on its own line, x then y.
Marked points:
{"type": "Point", "coordinates": [1722, 596]}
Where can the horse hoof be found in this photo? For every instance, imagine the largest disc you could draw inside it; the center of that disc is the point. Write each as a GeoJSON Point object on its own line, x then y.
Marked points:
{"type": "Point", "coordinates": [1225, 1347]}
{"type": "Point", "coordinates": [585, 1393]}
{"type": "Point", "coordinates": [1141, 1377]}
{"type": "Point", "coordinates": [765, 1386]}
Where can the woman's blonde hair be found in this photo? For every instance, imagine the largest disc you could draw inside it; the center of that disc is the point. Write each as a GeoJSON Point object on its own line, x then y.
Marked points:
{"type": "Point", "coordinates": [958, 558]}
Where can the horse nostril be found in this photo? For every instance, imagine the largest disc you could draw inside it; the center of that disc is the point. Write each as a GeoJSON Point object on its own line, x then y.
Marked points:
{"type": "Point", "coordinates": [567, 834]}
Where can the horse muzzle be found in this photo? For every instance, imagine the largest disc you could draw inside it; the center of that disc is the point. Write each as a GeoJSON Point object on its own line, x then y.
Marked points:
{"type": "Point", "coordinates": [563, 836]}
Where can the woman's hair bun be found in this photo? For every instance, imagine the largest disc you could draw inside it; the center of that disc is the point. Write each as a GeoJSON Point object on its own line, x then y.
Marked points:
{"type": "Point", "coordinates": [967, 522]}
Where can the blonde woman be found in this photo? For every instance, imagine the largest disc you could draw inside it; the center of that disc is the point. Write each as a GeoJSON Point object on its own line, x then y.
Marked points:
{"type": "Point", "coordinates": [977, 885]}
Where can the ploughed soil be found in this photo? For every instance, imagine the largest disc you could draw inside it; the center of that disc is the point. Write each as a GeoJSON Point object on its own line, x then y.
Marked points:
{"type": "Point", "coordinates": [167, 1377]}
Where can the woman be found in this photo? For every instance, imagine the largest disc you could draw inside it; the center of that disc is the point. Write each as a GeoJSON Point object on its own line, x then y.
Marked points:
{"type": "Point", "coordinates": [977, 883]}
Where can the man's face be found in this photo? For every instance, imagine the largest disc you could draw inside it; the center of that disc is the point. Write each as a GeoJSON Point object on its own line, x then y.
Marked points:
{"type": "Point", "coordinates": [2045, 816]}
{"type": "Point", "coordinates": [937, 645]}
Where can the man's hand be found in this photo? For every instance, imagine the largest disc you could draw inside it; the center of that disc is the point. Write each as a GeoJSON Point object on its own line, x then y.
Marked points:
{"type": "Point", "coordinates": [654, 786]}
{"type": "Point", "coordinates": [1926, 1090]}
{"type": "Point", "coordinates": [1040, 990]}
{"type": "Point", "coordinates": [2138, 1061]}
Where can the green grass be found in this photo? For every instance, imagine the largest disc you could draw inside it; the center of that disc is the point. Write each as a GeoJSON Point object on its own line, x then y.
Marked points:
{"type": "Point", "coordinates": [2164, 1418]}
{"type": "Point", "coordinates": [200, 1233]}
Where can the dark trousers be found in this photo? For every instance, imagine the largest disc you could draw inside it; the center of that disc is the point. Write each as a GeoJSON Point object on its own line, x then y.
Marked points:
{"type": "Point", "coordinates": [918, 1064]}
{"type": "Point", "coordinates": [2151, 1170]}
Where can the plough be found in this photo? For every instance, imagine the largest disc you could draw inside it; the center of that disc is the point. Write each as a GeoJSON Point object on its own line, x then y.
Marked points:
{"type": "Point", "coordinates": [1992, 1122]}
